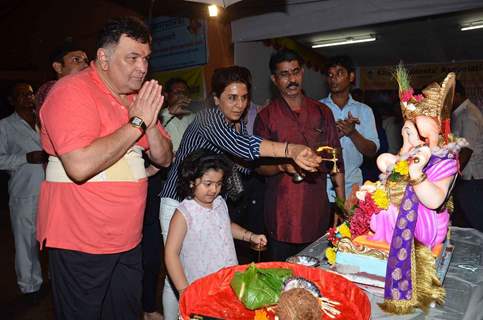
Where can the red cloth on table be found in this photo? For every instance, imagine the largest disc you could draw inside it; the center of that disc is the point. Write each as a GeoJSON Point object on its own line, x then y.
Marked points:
{"type": "Point", "coordinates": [213, 295]}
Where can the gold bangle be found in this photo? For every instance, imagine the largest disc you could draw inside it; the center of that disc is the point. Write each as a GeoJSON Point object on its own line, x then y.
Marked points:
{"type": "Point", "coordinates": [418, 180]}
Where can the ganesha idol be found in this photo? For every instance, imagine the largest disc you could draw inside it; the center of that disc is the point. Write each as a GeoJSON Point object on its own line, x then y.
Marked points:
{"type": "Point", "coordinates": [401, 221]}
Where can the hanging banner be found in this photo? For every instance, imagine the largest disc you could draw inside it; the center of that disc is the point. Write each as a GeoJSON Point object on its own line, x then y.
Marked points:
{"type": "Point", "coordinates": [193, 76]}
{"type": "Point", "coordinates": [177, 43]}
{"type": "Point", "coordinates": [381, 78]}
{"type": "Point", "coordinates": [469, 73]}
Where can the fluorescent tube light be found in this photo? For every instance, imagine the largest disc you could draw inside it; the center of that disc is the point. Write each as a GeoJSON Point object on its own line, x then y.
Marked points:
{"type": "Point", "coordinates": [344, 41]}
{"type": "Point", "coordinates": [472, 26]}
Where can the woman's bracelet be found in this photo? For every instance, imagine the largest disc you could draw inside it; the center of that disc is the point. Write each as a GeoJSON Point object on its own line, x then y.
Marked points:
{"type": "Point", "coordinates": [251, 235]}
{"type": "Point", "coordinates": [418, 180]}
{"type": "Point", "coordinates": [286, 149]}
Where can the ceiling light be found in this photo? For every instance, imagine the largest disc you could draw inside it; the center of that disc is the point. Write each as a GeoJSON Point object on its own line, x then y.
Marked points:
{"type": "Point", "coordinates": [472, 25]}
{"type": "Point", "coordinates": [344, 41]}
{"type": "Point", "coordinates": [213, 10]}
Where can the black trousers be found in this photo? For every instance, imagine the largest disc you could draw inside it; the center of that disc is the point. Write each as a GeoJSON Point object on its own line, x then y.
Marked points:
{"type": "Point", "coordinates": [96, 286]}
{"type": "Point", "coordinates": [152, 243]}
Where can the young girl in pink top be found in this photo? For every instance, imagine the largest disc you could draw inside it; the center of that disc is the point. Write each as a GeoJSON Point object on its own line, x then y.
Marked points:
{"type": "Point", "coordinates": [200, 237]}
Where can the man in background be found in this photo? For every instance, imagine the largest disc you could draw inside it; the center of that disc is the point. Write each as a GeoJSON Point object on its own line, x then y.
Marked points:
{"type": "Point", "coordinates": [22, 156]}
{"type": "Point", "coordinates": [355, 122]}
{"type": "Point", "coordinates": [467, 122]}
{"type": "Point", "coordinates": [296, 213]}
{"type": "Point", "coordinates": [175, 115]}
{"type": "Point", "coordinates": [67, 59]}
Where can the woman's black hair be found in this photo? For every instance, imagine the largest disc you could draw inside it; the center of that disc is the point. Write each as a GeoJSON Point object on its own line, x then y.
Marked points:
{"type": "Point", "coordinates": [195, 166]}
{"type": "Point", "coordinates": [223, 77]}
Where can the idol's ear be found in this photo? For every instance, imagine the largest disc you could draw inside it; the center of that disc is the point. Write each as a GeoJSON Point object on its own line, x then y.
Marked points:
{"type": "Point", "coordinates": [447, 97]}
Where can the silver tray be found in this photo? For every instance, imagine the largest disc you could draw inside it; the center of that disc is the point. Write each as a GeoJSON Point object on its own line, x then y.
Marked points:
{"type": "Point", "coordinates": [307, 261]}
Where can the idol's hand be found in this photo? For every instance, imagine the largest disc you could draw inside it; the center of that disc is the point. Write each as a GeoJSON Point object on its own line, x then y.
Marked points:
{"type": "Point", "coordinates": [304, 157]}
{"type": "Point", "coordinates": [419, 159]}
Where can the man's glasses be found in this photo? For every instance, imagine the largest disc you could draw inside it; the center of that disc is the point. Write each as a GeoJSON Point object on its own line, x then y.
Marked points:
{"type": "Point", "coordinates": [285, 74]}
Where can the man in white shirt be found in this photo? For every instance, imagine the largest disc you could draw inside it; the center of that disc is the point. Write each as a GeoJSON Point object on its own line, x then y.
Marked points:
{"type": "Point", "coordinates": [176, 117]}
{"type": "Point", "coordinates": [22, 156]}
{"type": "Point", "coordinates": [355, 122]}
{"type": "Point", "coordinates": [467, 122]}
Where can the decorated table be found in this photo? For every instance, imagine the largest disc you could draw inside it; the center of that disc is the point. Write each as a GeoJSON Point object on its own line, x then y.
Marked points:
{"type": "Point", "coordinates": [463, 282]}
{"type": "Point", "coordinates": [213, 295]}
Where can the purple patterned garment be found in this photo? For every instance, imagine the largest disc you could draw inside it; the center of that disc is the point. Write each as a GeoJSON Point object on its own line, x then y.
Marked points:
{"type": "Point", "coordinates": [431, 226]}
{"type": "Point", "coordinates": [398, 284]}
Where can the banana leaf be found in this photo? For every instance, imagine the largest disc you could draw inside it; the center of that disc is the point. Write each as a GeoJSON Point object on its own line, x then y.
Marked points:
{"type": "Point", "coordinates": [258, 288]}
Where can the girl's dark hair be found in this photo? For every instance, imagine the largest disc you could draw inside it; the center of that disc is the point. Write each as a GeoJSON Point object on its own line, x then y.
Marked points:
{"type": "Point", "coordinates": [223, 77]}
{"type": "Point", "coordinates": [195, 166]}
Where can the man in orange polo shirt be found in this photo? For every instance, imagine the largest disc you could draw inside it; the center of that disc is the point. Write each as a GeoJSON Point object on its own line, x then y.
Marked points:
{"type": "Point", "coordinates": [95, 126]}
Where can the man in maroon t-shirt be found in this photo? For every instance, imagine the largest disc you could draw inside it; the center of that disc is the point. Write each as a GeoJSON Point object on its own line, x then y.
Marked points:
{"type": "Point", "coordinates": [296, 213]}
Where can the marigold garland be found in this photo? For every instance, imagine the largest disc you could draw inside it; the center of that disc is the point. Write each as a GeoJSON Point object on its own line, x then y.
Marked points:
{"type": "Point", "coordinates": [330, 255]}
{"type": "Point", "coordinates": [380, 199]}
{"type": "Point", "coordinates": [260, 315]}
{"type": "Point", "coordinates": [344, 231]}
{"type": "Point", "coordinates": [402, 167]}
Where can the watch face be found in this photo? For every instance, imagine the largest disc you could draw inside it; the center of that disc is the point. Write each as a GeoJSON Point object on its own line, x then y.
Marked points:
{"type": "Point", "coordinates": [136, 121]}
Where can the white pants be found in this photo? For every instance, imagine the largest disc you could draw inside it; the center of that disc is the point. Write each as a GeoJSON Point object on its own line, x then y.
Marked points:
{"type": "Point", "coordinates": [23, 216]}
{"type": "Point", "coordinates": [170, 302]}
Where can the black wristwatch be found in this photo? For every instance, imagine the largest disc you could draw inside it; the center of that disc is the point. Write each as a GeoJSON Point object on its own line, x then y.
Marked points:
{"type": "Point", "coordinates": [138, 123]}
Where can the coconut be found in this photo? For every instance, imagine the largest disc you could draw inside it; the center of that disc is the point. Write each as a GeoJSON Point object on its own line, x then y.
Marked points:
{"type": "Point", "coordinates": [298, 304]}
